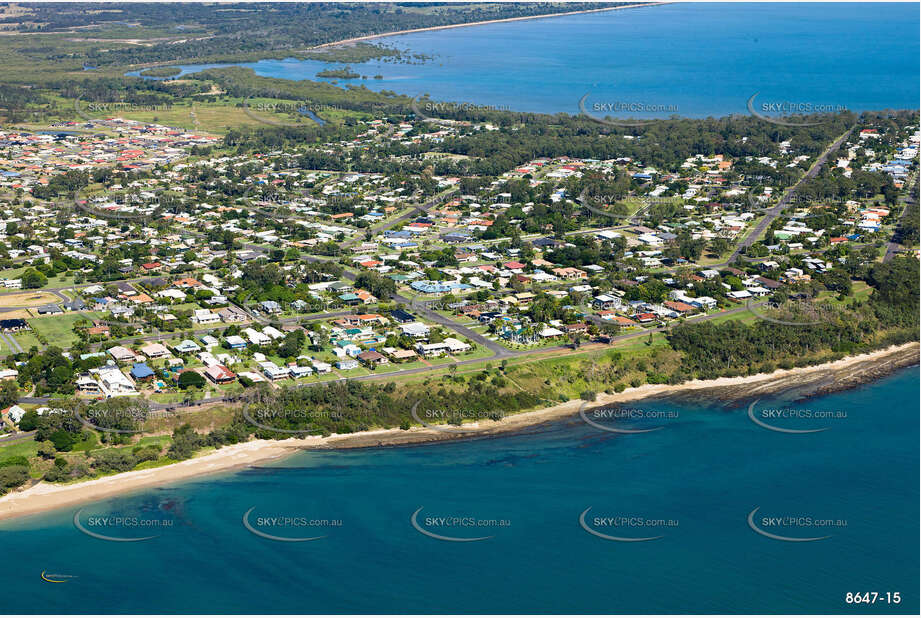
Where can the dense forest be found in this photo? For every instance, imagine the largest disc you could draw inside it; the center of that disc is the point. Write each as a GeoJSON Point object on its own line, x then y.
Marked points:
{"type": "Point", "coordinates": [735, 348]}
{"type": "Point", "coordinates": [223, 32]}
{"type": "Point", "coordinates": [524, 136]}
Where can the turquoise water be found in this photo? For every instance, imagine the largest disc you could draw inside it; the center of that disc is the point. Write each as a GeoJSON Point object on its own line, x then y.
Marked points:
{"type": "Point", "coordinates": [688, 59]}
{"type": "Point", "coordinates": [706, 470]}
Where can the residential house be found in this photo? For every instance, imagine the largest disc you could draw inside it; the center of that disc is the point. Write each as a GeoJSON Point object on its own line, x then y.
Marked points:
{"type": "Point", "coordinates": [114, 383]}
{"type": "Point", "coordinates": [235, 342]}
{"type": "Point", "coordinates": [232, 314]}
{"type": "Point", "coordinates": [140, 372]}
{"type": "Point", "coordinates": [456, 346]}
{"type": "Point", "coordinates": [121, 354]}
{"type": "Point", "coordinates": [257, 338]}
{"type": "Point", "coordinates": [430, 350]}
{"type": "Point", "coordinates": [372, 358]}
{"type": "Point", "coordinates": [219, 374]}
{"type": "Point", "coordinates": [155, 350]}
{"type": "Point", "coordinates": [187, 346]}
{"type": "Point", "coordinates": [204, 316]}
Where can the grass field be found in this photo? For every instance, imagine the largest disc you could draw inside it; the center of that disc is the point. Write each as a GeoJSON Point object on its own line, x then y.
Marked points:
{"type": "Point", "coordinates": [26, 447]}
{"type": "Point", "coordinates": [215, 117]}
{"type": "Point", "coordinates": [26, 340]}
{"type": "Point", "coordinates": [57, 330]}
{"type": "Point", "coordinates": [59, 281]}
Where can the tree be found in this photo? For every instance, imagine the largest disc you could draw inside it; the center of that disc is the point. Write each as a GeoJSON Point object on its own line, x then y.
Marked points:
{"type": "Point", "coordinates": [292, 343]}
{"type": "Point", "coordinates": [63, 440]}
{"type": "Point", "coordinates": [32, 279]}
{"type": "Point", "coordinates": [46, 449]}
{"type": "Point", "coordinates": [185, 442]}
{"type": "Point", "coordinates": [382, 287]}
{"type": "Point", "coordinates": [29, 421]}
{"type": "Point", "coordinates": [719, 246]}
{"type": "Point", "coordinates": [191, 378]}
{"type": "Point", "coordinates": [9, 393]}
{"type": "Point", "coordinates": [12, 476]}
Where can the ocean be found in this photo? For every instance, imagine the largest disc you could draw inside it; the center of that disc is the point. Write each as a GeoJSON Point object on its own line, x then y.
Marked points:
{"type": "Point", "coordinates": [690, 485]}
{"type": "Point", "coordinates": [692, 60]}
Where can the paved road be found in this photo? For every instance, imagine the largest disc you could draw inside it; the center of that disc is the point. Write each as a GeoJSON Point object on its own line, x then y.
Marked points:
{"type": "Point", "coordinates": [415, 211]}
{"type": "Point", "coordinates": [507, 354]}
{"type": "Point", "coordinates": [11, 342]}
{"type": "Point", "coordinates": [22, 435]}
{"type": "Point", "coordinates": [893, 248]}
{"type": "Point", "coordinates": [69, 288]}
{"type": "Point", "coordinates": [773, 213]}
{"type": "Point", "coordinates": [499, 351]}
{"type": "Point", "coordinates": [212, 327]}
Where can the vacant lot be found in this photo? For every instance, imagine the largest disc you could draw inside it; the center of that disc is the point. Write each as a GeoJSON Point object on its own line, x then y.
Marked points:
{"type": "Point", "coordinates": [25, 314]}
{"type": "Point", "coordinates": [27, 299]}
{"type": "Point", "coordinates": [58, 330]}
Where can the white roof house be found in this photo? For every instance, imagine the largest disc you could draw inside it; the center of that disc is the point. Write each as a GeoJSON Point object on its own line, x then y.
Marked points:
{"type": "Point", "coordinates": [257, 338]}
{"type": "Point", "coordinates": [415, 329]}
{"type": "Point", "coordinates": [272, 332]}
{"type": "Point", "coordinates": [456, 345]}
{"type": "Point", "coordinates": [114, 383]}
{"type": "Point", "coordinates": [432, 349]}
{"type": "Point", "coordinates": [204, 316]}
{"type": "Point", "coordinates": [15, 413]}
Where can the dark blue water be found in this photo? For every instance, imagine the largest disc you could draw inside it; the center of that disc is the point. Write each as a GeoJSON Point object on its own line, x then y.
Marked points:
{"type": "Point", "coordinates": [706, 470]}
{"type": "Point", "coordinates": [688, 59]}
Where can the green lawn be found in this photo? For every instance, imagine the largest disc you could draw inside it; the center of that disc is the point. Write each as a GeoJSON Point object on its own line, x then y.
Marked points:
{"type": "Point", "coordinates": [26, 340]}
{"type": "Point", "coordinates": [478, 351]}
{"type": "Point", "coordinates": [26, 448]}
{"type": "Point", "coordinates": [57, 330]}
{"type": "Point", "coordinates": [59, 281]}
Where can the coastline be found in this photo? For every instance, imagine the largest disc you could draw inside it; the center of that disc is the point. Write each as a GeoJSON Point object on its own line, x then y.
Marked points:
{"type": "Point", "coordinates": [813, 380]}
{"type": "Point", "coordinates": [371, 37]}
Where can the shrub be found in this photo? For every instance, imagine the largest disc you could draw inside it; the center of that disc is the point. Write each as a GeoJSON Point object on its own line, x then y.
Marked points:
{"type": "Point", "coordinates": [46, 449]}
{"type": "Point", "coordinates": [147, 453]}
{"type": "Point", "coordinates": [16, 460]}
{"type": "Point", "coordinates": [13, 476]}
{"type": "Point", "coordinates": [191, 379]}
{"type": "Point", "coordinates": [63, 440]}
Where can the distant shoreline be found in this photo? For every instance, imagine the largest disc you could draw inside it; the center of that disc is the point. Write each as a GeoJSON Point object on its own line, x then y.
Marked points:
{"type": "Point", "coordinates": [828, 377]}
{"type": "Point", "coordinates": [370, 37]}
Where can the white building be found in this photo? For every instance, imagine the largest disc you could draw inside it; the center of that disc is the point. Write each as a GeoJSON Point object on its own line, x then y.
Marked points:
{"type": "Point", "coordinates": [272, 332]}
{"type": "Point", "coordinates": [114, 383]}
{"type": "Point", "coordinates": [456, 345]}
{"type": "Point", "coordinates": [257, 338]}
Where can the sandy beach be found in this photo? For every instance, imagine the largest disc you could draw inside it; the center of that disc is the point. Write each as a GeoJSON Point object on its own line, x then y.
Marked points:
{"type": "Point", "coordinates": [806, 381]}
{"type": "Point", "coordinates": [370, 37]}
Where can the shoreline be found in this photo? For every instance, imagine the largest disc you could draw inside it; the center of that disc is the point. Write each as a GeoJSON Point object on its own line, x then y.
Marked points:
{"type": "Point", "coordinates": [371, 37]}
{"type": "Point", "coordinates": [828, 377]}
